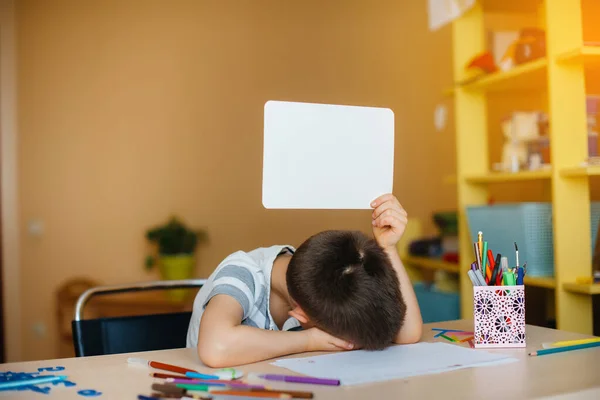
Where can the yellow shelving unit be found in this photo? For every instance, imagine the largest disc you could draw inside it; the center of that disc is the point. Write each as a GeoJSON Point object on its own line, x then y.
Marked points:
{"type": "Point", "coordinates": [548, 283]}
{"type": "Point", "coordinates": [499, 177]}
{"type": "Point", "coordinates": [579, 172]}
{"type": "Point", "coordinates": [582, 289]}
{"type": "Point", "coordinates": [524, 77]}
{"type": "Point", "coordinates": [561, 76]}
{"type": "Point", "coordinates": [583, 54]}
{"type": "Point", "coordinates": [431, 264]}
{"type": "Point", "coordinates": [511, 6]}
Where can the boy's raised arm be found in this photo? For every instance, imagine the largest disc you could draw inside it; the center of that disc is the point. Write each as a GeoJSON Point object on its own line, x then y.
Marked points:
{"type": "Point", "coordinates": [389, 222]}
{"type": "Point", "coordinates": [224, 342]}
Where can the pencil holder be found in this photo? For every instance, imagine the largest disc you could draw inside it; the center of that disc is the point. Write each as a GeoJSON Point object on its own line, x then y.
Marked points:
{"type": "Point", "coordinates": [499, 313]}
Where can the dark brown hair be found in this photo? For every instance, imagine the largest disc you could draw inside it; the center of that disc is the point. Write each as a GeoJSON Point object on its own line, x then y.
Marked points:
{"type": "Point", "coordinates": [345, 283]}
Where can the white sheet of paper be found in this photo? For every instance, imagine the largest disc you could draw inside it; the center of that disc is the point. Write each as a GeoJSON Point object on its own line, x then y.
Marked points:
{"type": "Point", "coordinates": [442, 12]}
{"type": "Point", "coordinates": [324, 156]}
{"type": "Point", "coordinates": [395, 362]}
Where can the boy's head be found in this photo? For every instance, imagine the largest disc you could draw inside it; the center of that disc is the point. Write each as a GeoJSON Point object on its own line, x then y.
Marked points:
{"type": "Point", "coordinates": [345, 285]}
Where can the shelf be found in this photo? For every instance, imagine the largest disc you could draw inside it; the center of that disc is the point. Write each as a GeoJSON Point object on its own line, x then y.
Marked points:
{"type": "Point", "coordinates": [431, 263]}
{"type": "Point", "coordinates": [581, 288]}
{"type": "Point", "coordinates": [498, 177]}
{"type": "Point", "coordinates": [580, 171]}
{"type": "Point", "coordinates": [531, 75]}
{"type": "Point", "coordinates": [511, 6]}
{"type": "Point", "coordinates": [585, 54]}
{"type": "Point", "coordinates": [548, 283]}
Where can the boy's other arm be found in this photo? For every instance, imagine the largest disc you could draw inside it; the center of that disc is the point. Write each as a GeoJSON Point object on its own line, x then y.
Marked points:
{"type": "Point", "coordinates": [224, 342]}
{"type": "Point", "coordinates": [389, 222]}
{"type": "Point", "coordinates": [411, 330]}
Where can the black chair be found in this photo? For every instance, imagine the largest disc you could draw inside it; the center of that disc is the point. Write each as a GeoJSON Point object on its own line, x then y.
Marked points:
{"type": "Point", "coordinates": [130, 334]}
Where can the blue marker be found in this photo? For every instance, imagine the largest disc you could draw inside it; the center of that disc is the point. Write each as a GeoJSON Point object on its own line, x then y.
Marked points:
{"type": "Point", "coordinates": [198, 375]}
{"type": "Point", "coordinates": [227, 374]}
{"type": "Point", "coordinates": [33, 381]}
{"type": "Point", "coordinates": [520, 274]}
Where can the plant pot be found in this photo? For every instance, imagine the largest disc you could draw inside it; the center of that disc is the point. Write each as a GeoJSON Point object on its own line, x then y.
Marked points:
{"type": "Point", "coordinates": [176, 267]}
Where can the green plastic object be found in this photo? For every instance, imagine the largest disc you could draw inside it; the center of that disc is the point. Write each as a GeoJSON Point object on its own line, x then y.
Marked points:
{"type": "Point", "coordinates": [177, 267]}
{"type": "Point", "coordinates": [447, 222]}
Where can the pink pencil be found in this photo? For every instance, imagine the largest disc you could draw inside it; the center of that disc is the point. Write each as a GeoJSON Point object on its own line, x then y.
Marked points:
{"type": "Point", "coordinates": [463, 333]}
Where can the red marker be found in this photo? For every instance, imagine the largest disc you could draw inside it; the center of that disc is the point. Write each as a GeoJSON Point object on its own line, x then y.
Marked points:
{"type": "Point", "coordinates": [488, 271]}
{"type": "Point", "coordinates": [159, 365]}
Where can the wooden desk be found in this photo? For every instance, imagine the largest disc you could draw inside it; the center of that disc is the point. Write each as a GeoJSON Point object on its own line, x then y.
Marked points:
{"type": "Point", "coordinates": [553, 375]}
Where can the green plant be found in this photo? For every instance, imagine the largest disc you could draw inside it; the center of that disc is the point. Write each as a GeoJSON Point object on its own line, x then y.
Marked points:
{"type": "Point", "coordinates": [174, 238]}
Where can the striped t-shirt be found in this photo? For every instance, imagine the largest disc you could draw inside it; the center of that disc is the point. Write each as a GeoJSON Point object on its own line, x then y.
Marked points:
{"type": "Point", "coordinates": [247, 278]}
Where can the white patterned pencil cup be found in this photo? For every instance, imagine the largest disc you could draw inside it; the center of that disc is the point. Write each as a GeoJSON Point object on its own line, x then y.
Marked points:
{"type": "Point", "coordinates": [499, 313]}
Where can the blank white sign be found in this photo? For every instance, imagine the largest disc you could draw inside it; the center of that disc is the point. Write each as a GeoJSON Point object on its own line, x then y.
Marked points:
{"type": "Point", "coordinates": [323, 156]}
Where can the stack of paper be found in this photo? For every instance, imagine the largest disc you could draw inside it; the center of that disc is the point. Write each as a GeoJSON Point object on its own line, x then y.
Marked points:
{"type": "Point", "coordinates": [396, 362]}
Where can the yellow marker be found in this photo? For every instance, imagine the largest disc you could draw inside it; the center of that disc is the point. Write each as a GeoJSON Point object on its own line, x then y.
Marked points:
{"type": "Point", "coordinates": [480, 241]}
{"type": "Point", "coordinates": [574, 342]}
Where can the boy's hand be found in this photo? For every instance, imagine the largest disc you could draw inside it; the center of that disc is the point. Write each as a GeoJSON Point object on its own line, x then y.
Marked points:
{"type": "Point", "coordinates": [389, 220]}
{"type": "Point", "coordinates": [319, 340]}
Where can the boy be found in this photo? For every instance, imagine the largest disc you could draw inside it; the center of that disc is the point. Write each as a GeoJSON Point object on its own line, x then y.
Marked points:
{"type": "Point", "coordinates": [345, 290]}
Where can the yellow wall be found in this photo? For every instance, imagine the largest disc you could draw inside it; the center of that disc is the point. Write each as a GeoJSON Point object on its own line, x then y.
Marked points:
{"type": "Point", "coordinates": [130, 110]}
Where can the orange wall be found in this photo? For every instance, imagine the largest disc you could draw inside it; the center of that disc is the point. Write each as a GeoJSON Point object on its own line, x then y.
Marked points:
{"type": "Point", "coordinates": [131, 110]}
{"type": "Point", "coordinates": [8, 182]}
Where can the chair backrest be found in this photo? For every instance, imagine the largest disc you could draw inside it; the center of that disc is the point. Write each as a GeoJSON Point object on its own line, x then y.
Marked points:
{"type": "Point", "coordinates": [130, 334]}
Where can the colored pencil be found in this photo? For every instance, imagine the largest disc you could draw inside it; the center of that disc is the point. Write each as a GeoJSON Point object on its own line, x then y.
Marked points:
{"type": "Point", "coordinates": [574, 342]}
{"type": "Point", "coordinates": [269, 395]}
{"type": "Point", "coordinates": [300, 379]}
{"type": "Point", "coordinates": [160, 375]}
{"type": "Point", "coordinates": [192, 386]}
{"type": "Point", "coordinates": [159, 365]}
{"type": "Point", "coordinates": [564, 348]}
{"type": "Point", "coordinates": [256, 392]}
{"type": "Point", "coordinates": [446, 330]}
{"type": "Point", "coordinates": [296, 394]}
{"type": "Point", "coordinates": [213, 382]}
{"type": "Point", "coordinates": [158, 395]}
{"type": "Point", "coordinates": [466, 339]}
{"type": "Point", "coordinates": [168, 388]}
{"type": "Point", "coordinates": [196, 396]}
{"type": "Point", "coordinates": [448, 338]}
